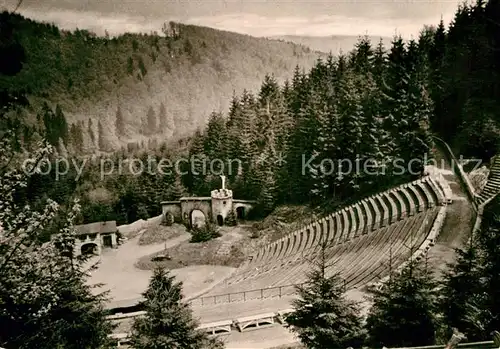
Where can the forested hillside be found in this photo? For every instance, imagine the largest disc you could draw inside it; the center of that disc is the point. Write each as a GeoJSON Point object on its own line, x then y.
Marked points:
{"type": "Point", "coordinates": [366, 110]}
{"type": "Point", "coordinates": [134, 87]}
{"type": "Point", "coordinates": [465, 79]}
{"type": "Point", "coordinates": [367, 105]}
{"type": "Point", "coordinates": [345, 129]}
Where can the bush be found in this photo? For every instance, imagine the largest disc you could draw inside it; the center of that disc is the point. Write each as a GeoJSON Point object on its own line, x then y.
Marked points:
{"type": "Point", "coordinates": [205, 233]}
{"type": "Point", "coordinates": [231, 219]}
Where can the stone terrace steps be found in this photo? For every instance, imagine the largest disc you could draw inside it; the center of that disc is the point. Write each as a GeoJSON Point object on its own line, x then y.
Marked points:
{"type": "Point", "coordinates": [359, 261]}
{"type": "Point", "coordinates": [341, 226]}
{"type": "Point", "coordinates": [492, 186]}
{"type": "Point", "coordinates": [351, 233]}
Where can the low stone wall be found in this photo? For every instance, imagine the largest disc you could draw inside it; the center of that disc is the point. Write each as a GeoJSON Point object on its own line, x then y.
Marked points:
{"type": "Point", "coordinates": [464, 179]}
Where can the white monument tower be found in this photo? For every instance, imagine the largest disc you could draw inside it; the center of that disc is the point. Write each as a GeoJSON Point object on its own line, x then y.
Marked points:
{"type": "Point", "coordinates": [222, 202]}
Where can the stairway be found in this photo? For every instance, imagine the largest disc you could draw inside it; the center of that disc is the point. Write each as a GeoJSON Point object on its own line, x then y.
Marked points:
{"type": "Point", "coordinates": [492, 186]}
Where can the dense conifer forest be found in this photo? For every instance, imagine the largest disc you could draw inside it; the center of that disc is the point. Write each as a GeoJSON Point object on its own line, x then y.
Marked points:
{"type": "Point", "coordinates": [374, 105]}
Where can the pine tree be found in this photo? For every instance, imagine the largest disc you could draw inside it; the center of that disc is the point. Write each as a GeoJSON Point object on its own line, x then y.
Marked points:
{"type": "Point", "coordinates": [323, 318]}
{"type": "Point", "coordinates": [168, 322]}
{"type": "Point", "coordinates": [101, 142]}
{"type": "Point", "coordinates": [198, 172]}
{"type": "Point", "coordinates": [247, 149]}
{"type": "Point", "coordinates": [61, 124]}
{"type": "Point", "coordinates": [177, 190]}
{"type": "Point", "coordinates": [151, 122]}
{"type": "Point", "coordinates": [269, 90]}
{"type": "Point", "coordinates": [363, 55]}
{"type": "Point", "coordinates": [379, 63]}
{"type": "Point", "coordinates": [489, 247]}
{"type": "Point", "coordinates": [76, 137]}
{"type": "Point", "coordinates": [163, 118]}
{"type": "Point", "coordinates": [352, 122]}
{"type": "Point", "coordinates": [50, 123]}
{"type": "Point", "coordinates": [463, 294]}
{"type": "Point", "coordinates": [404, 311]}
{"type": "Point", "coordinates": [90, 129]}
{"type": "Point", "coordinates": [324, 149]}
{"type": "Point", "coordinates": [231, 219]}
{"type": "Point", "coordinates": [267, 196]}
{"type": "Point", "coordinates": [120, 123]}
{"type": "Point", "coordinates": [215, 139]}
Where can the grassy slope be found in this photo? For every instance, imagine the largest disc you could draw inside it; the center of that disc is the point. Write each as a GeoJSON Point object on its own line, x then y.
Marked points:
{"type": "Point", "coordinates": [192, 76]}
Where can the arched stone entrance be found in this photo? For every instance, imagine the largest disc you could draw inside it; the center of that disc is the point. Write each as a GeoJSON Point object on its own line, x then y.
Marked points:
{"type": "Point", "coordinates": [169, 218]}
{"type": "Point", "coordinates": [197, 218]}
{"type": "Point", "coordinates": [220, 220]}
{"type": "Point", "coordinates": [90, 248]}
{"type": "Point", "coordinates": [240, 212]}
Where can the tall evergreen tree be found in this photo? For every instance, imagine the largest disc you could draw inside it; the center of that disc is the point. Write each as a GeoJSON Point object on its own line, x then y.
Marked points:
{"type": "Point", "coordinates": [323, 318]}
{"type": "Point", "coordinates": [168, 322]}
{"type": "Point", "coordinates": [163, 121]}
{"type": "Point", "coordinates": [101, 140]}
{"type": "Point", "coordinates": [61, 124]}
{"type": "Point", "coordinates": [90, 129]}
{"type": "Point", "coordinates": [120, 122]}
{"type": "Point", "coordinates": [404, 311]}
{"type": "Point", "coordinates": [463, 294]}
{"type": "Point", "coordinates": [150, 126]}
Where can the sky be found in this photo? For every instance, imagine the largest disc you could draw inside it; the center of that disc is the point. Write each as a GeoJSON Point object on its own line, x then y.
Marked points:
{"type": "Point", "coordinates": [253, 17]}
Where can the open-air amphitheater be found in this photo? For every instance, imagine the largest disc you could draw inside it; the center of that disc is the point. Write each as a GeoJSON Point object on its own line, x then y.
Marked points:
{"type": "Point", "coordinates": [365, 241]}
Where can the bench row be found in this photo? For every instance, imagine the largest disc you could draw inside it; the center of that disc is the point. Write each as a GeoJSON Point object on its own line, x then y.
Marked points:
{"type": "Point", "coordinates": [422, 250]}
{"type": "Point", "coordinates": [242, 324]}
{"type": "Point", "coordinates": [367, 215]}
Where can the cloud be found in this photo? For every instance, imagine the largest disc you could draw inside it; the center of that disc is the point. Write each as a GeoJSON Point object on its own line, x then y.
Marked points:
{"type": "Point", "coordinates": [324, 25]}
{"type": "Point", "coordinates": [246, 23]}
{"type": "Point", "coordinates": [96, 22]}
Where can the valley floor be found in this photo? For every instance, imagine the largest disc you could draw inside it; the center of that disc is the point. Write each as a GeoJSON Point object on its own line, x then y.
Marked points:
{"type": "Point", "coordinates": [118, 274]}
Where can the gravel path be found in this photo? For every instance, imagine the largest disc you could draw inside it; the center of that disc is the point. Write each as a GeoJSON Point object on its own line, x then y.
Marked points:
{"type": "Point", "coordinates": [457, 225]}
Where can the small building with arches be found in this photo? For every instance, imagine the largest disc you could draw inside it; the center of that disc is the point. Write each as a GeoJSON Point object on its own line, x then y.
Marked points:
{"type": "Point", "coordinates": [93, 237]}
{"type": "Point", "coordinates": [195, 211]}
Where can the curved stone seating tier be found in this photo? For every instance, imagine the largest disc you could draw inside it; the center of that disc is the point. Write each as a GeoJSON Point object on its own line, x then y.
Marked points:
{"type": "Point", "coordinates": [407, 199]}
{"type": "Point", "coordinates": [417, 232]}
{"type": "Point", "coordinates": [492, 186]}
{"type": "Point", "coordinates": [444, 187]}
{"type": "Point", "coordinates": [417, 196]}
{"type": "Point", "coordinates": [429, 196]}
{"type": "Point", "coordinates": [392, 203]}
{"type": "Point", "coordinates": [367, 215]}
{"type": "Point", "coordinates": [402, 209]}
{"type": "Point", "coordinates": [368, 210]}
{"type": "Point", "coordinates": [359, 261]}
{"type": "Point", "coordinates": [436, 189]}
{"type": "Point", "coordinates": [429, 241]}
